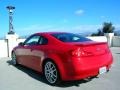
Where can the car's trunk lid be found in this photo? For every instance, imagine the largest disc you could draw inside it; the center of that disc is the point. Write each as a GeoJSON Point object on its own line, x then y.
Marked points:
{"type": "Point", "coordinates": [92, 48]}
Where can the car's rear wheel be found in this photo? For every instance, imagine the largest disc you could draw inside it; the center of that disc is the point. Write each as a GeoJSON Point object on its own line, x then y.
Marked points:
{"type": "Point", "coordinates": [14, 59]}
{"type": "Point", "coordinates": [51, 73]}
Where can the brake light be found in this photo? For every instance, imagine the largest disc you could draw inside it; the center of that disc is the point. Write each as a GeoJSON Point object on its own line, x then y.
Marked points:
{"type": "Point", "coordinates": [79, 52]}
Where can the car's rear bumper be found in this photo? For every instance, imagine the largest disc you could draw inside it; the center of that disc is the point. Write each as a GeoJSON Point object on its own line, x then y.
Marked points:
{"type": "Point", "coordinates": [81, 68]}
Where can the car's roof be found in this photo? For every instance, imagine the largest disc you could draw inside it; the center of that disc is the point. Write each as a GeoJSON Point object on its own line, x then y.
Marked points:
{"type": "Point", "coordinates": [50, 32]}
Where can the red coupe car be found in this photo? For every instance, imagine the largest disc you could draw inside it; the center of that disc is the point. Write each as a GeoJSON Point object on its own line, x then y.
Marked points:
{"type": "Point", "coordinates": [63, 56]}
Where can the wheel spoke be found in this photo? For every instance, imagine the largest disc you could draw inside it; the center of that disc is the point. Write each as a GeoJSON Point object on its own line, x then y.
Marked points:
{"type": "Point", "coordinates": [54, 70]}
{"type": "Point", "coordinates": [54, 75]}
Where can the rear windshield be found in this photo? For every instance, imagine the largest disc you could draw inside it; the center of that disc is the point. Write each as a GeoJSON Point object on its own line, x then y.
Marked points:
{"type": "Point", "coordinates": [70, 37]}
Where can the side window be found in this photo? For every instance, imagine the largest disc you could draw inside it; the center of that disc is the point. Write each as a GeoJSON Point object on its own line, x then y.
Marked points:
{"type": "Point", "coordinates": [32, 40]}
{"type": "Point", "coordinates": [43, 41]}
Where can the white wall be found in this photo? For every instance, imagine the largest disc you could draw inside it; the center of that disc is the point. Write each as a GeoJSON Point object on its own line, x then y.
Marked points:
{"type": "Point", "coordinates": [116, 41]}
{"type": "Point", "coordinates": [20, 40]}
{"type": "Point", "coordinates": [98, 38]}
{"type": "Point", "coordinates": [8, 44]}
{"type": "Point", "coordinates": [3, 48]}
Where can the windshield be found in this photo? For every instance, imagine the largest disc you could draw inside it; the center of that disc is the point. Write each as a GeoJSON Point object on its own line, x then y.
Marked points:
{"type": "Point", "coordinates": [70, 37]}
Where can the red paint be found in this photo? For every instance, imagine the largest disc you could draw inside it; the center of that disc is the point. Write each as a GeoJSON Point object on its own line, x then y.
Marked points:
{"type": "Point", "coordinates": [75, 61]}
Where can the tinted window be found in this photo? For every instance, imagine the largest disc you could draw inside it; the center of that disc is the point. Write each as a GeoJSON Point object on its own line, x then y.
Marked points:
{"type": "Point", "coordinates": [69, 37]}
{"type": "Point", "coordinates": [32, 40]}
{"type": "Point", "coordinates": [43, 41]}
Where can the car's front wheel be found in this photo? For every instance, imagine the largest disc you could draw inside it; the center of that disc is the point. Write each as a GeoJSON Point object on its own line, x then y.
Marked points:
{"type": "Point", "coordinates": [14, 59]}
{"type": "Point", "coordinates": [51, 73]}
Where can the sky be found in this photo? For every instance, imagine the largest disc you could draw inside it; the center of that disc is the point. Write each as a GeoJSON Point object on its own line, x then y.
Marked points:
{"type": "Point", "coordinates": [78, 16]}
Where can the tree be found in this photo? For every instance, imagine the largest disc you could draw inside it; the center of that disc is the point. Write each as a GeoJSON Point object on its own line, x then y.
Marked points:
{"type": "Point", "coordinates": [94, 34]}
{"type": "Point", "coordinates": [98, 33]}
{"type": "Point", "coordinates": [108, 27]}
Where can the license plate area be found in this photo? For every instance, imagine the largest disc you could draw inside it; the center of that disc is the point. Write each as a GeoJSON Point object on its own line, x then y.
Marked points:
{"type": "Point", "coordinates": [102, 70]}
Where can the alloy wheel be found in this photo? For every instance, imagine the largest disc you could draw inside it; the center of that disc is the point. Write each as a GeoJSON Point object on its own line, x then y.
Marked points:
{"type": "Point", "coordinates": [51, 72]}
{"type": "Point", "coordinates": [14, 59]}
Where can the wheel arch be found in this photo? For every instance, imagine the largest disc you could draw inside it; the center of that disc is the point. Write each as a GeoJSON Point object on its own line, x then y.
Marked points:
{"type": "Point", "coordinates": [58, 64]}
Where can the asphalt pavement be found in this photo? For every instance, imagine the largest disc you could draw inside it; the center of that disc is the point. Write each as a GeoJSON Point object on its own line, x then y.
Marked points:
{"type": "Point", "coordinates": [22, 78]}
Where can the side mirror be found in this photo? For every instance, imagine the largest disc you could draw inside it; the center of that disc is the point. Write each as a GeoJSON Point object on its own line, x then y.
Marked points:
{"type": "Point", "coordinates": [21, 44]}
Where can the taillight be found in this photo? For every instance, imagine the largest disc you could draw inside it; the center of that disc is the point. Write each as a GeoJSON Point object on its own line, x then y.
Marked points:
{"type": "Point", "coordinates": [79, 52]}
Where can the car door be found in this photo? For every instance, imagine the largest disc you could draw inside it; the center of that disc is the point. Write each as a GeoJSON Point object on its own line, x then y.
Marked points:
{"type": "Point", "coordinates": [38, 53]}
{"type": "Point", "coordinates": [33, 52]}
{"type": "Point", "coordinates": [28, 52]}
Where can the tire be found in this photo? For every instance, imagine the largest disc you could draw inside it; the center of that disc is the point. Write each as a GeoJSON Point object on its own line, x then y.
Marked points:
{"type": "Point", "coordinates": [14, 59]}
{"type": "Point", "coordinates": [51, 73]}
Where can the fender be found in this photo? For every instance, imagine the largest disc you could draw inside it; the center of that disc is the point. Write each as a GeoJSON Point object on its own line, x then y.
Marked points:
{"type": "Point", "coordinates": [59, 63]}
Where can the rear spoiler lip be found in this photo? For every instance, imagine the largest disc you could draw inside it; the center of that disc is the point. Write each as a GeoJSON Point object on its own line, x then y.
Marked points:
{"type": "Point", "coordinates": [88, 43]}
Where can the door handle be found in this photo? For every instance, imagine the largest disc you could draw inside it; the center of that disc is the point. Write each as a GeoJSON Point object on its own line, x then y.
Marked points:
{"type": "Point", "coordinates": [32, 50]}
